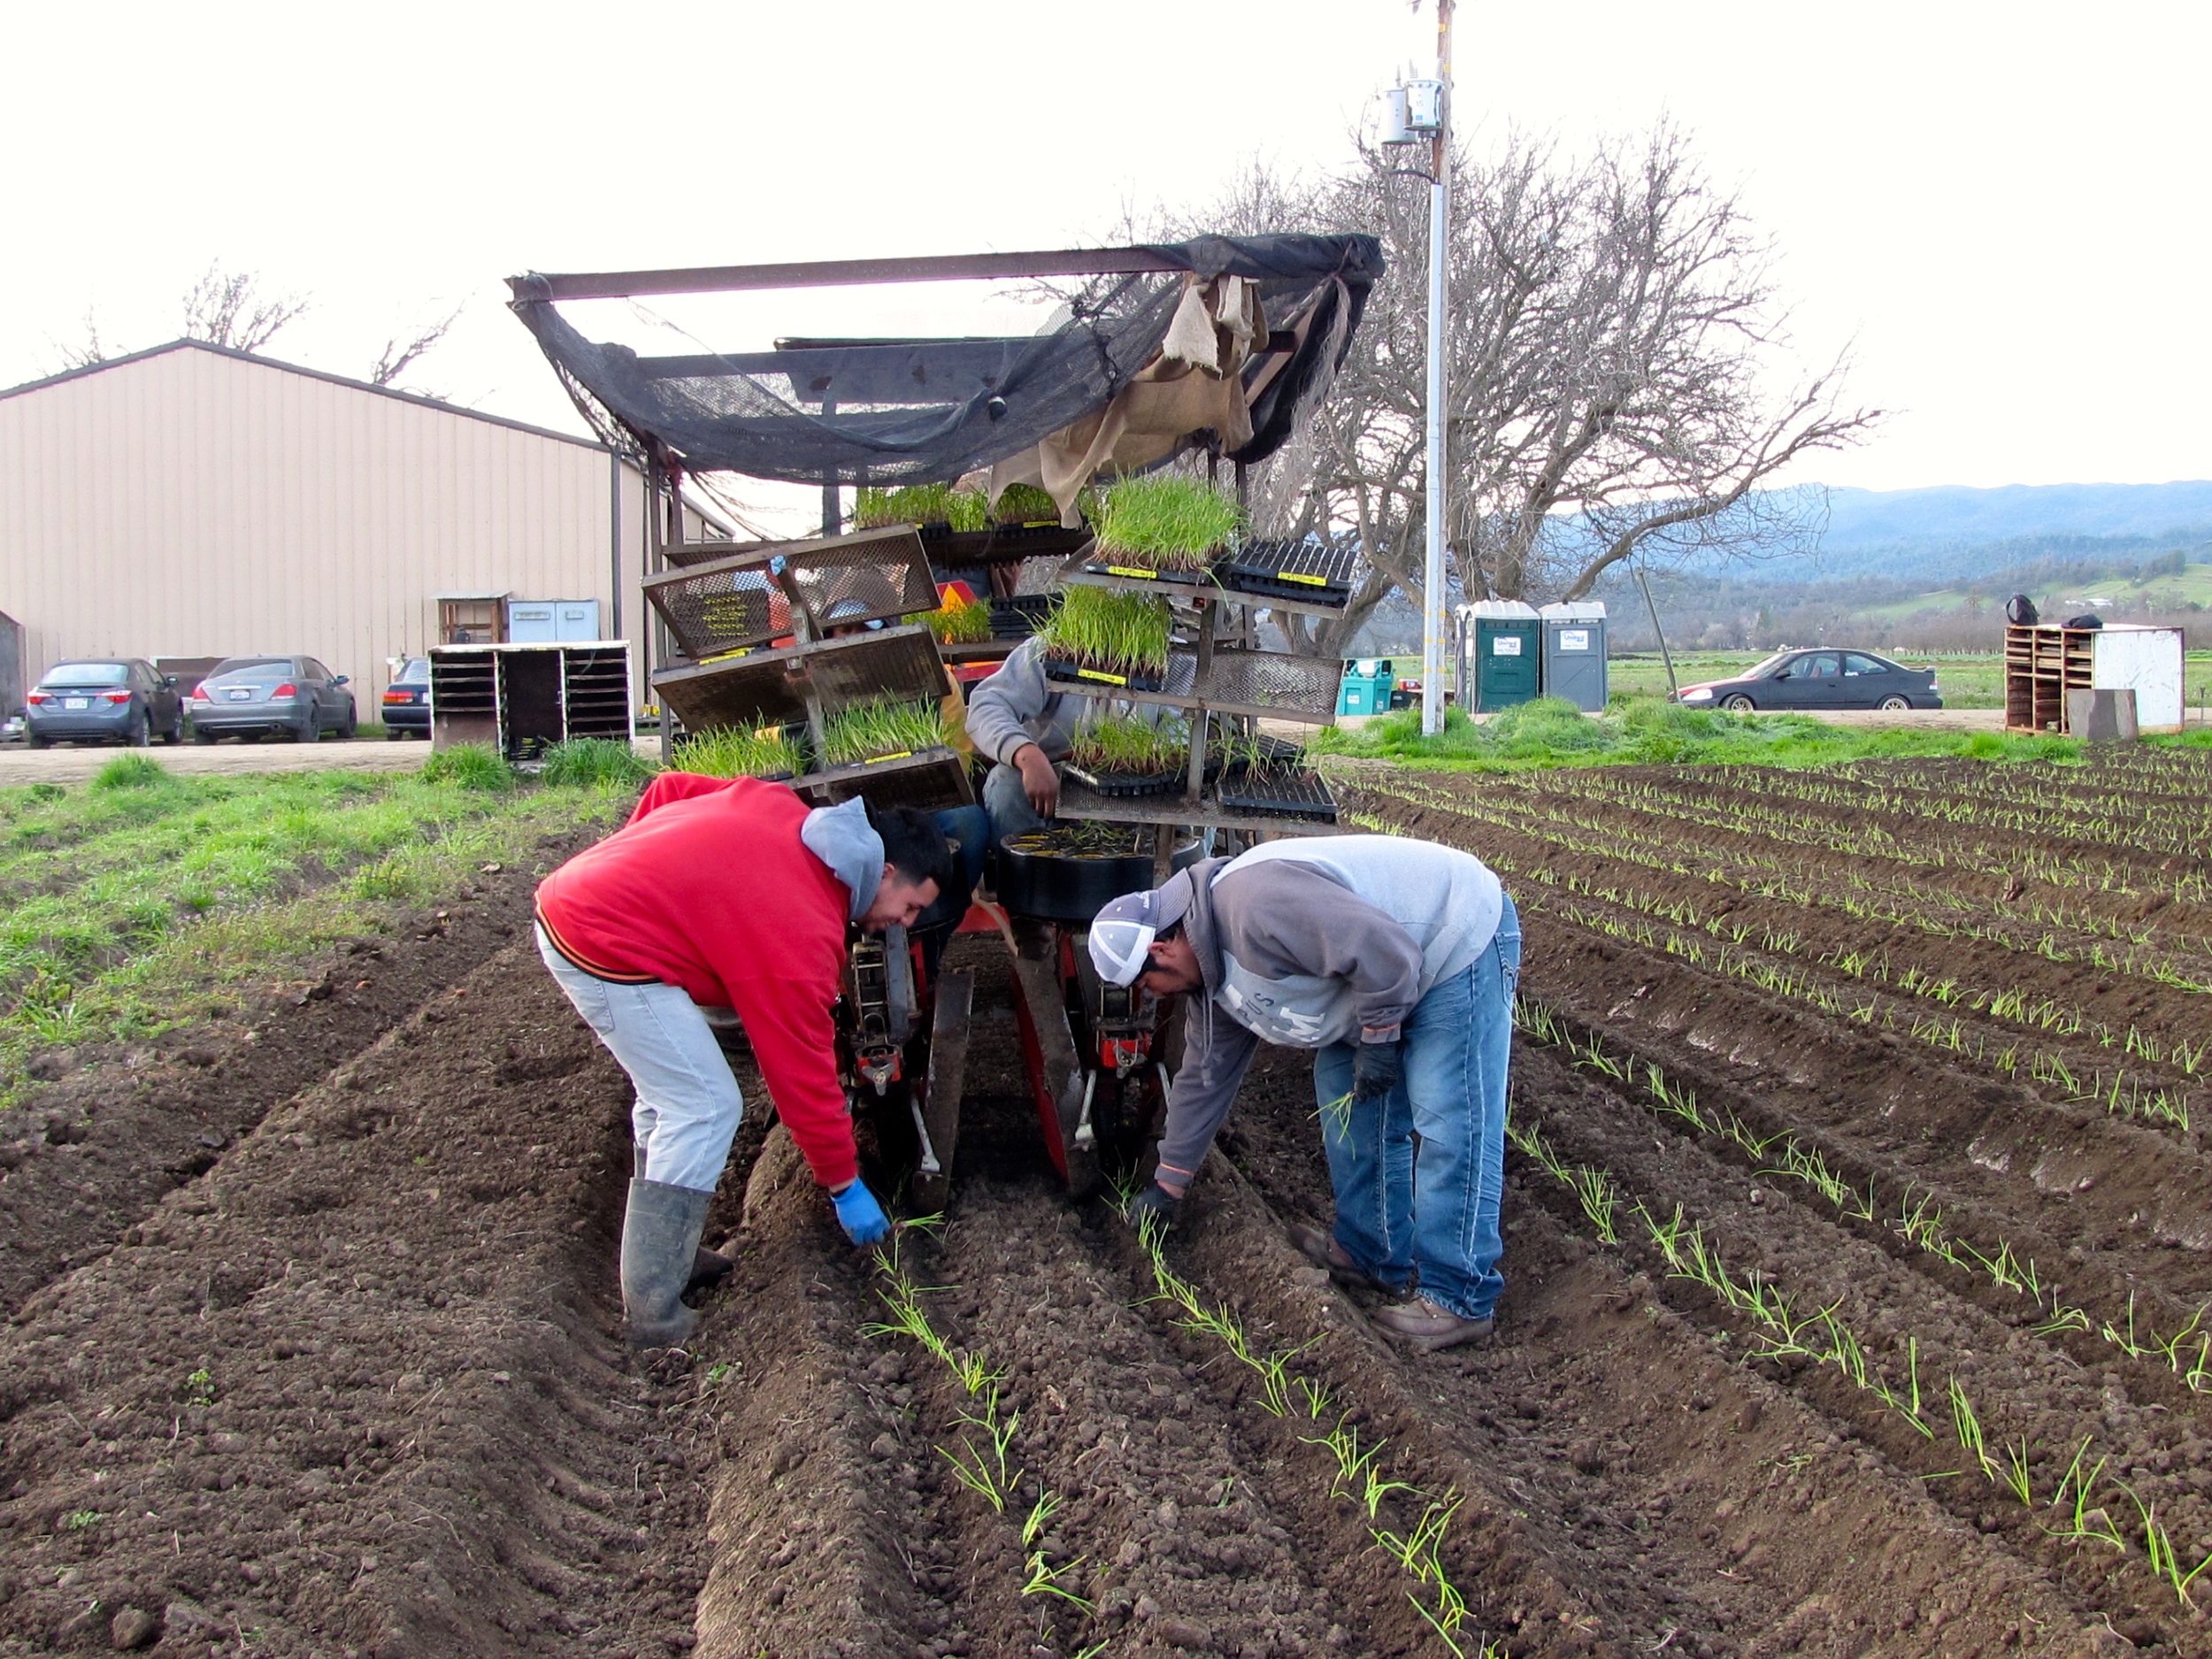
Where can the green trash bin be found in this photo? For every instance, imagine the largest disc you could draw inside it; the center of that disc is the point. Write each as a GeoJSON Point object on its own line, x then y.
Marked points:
{"type": "Point", "coordinates": [1501, 652]}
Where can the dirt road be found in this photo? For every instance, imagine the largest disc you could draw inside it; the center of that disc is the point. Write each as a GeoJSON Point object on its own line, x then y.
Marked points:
{"type": "Point", "coordinates": [20, 765]}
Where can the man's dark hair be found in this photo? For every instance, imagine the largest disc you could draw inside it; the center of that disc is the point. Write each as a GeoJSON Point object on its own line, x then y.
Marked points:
{"type": "Point", "coordinates": [913, 845]}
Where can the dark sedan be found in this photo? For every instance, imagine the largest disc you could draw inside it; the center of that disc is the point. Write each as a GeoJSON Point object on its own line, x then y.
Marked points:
{"type": "Point", "coordinates": [407, 701]}
{"type": "Point", "coordinates": [253, 697]}
{"type": "Point", "coordinates": [1816, 680]}
{"type": "Point", "coordinates": [113, 700]}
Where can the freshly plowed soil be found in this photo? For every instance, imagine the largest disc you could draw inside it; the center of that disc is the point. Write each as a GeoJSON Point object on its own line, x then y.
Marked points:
{"type": "Point", "coordinates": [314, 1341]}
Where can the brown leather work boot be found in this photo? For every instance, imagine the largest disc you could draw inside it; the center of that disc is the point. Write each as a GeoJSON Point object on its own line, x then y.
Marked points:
{"type": "Point", "coordinates": [1324, 1251]}
{"type": "Point", "coordinates": [1427, 1327]}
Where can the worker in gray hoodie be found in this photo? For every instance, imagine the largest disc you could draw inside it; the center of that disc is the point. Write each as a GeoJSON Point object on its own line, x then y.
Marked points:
{"type": "Point", "coordinates": [1395, 961]}
{"type": "Point", "coordinates": [1019, 720]}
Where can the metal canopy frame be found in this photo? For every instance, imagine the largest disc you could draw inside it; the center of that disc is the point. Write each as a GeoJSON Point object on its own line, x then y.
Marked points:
{"type": "Point", "coordinates": [731, 279]}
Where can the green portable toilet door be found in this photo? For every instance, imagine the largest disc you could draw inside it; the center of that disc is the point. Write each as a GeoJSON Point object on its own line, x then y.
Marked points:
{"type": "Point", "coordinates": [1574, 662]}
{"type": "Point", "coordinates": [1507, 655]}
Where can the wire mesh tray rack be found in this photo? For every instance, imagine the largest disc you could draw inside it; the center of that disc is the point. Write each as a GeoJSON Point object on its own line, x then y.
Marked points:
{"type": "Point", "coordinates": [771, 687]}
{"type": "Point", "coordinates": [1125, 785]}
{"type": "Point", "coordinates": [1277, 791]}
{"type": "Point", "coordinates": [928, 780]}
{"type": "Point", "coordinates": [745, 597]}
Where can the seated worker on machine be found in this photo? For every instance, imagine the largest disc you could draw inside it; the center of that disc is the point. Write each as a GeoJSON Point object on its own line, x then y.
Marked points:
{"type": "Point", "coordinates": [1023, 725]}
{"type": "Point", "coordinates": [728, 892]}
{"type": "Point", "coordinates": [1393, 959]}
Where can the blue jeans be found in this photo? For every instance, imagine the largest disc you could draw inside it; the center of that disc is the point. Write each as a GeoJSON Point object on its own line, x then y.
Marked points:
{"type": "Point", "coordinates": [968, 826]}
{"type": "Point", "coordinates": [687, 1103]}
{"type": "Point", "coordinates": [1431, 1216]}
{"type": "Point", "coordinates": [1008, 804]}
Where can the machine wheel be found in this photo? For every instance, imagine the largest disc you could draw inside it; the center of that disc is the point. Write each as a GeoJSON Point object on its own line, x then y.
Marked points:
{"type": "Point", "coordinates": [1893, 702]}
{"type": "Point", "coordinates": [1738, 705]}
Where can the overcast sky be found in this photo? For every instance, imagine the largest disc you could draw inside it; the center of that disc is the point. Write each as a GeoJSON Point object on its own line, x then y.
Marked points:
{"type": "Point", "coordinates": [2003, 206]}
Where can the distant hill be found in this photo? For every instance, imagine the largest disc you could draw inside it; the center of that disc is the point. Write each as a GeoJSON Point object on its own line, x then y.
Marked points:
{"type": "Point", "coordinates": [1953, 515]}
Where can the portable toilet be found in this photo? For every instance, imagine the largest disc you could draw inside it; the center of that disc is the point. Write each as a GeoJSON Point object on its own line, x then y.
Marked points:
{"type": "Point", "coordinates": [1574, 653]}
{"type": "Point", "coordinates": [1500, 650]}
{"type": "Point", "coordinates": [1366, 688]}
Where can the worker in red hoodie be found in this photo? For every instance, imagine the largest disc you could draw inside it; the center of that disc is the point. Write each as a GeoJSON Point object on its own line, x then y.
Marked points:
{"type": "Point", "coordinates": [726, 893]}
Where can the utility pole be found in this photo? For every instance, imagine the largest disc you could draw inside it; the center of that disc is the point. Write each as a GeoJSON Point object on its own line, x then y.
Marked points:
{"type": "Point", "coordinates": [1435, 622]}
{"type": "Point", "coordinates": [1422, 109]}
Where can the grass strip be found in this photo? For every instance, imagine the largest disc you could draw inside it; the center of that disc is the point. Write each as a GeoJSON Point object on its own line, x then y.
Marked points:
{"type": "Point", "coordinates": [179, 913]}
{"type": "Point", "coordinates": [1550, 732]}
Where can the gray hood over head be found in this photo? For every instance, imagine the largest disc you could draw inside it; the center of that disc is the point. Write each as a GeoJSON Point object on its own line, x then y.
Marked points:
{"type": "Point", "coordinates": [842, 838]}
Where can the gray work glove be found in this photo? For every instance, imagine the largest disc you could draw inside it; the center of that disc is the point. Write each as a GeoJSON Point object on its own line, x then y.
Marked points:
{"type": "Point", "coordinates": [1156, 1204]}
{"type": "Point", "coordinates": [1376, 1067]}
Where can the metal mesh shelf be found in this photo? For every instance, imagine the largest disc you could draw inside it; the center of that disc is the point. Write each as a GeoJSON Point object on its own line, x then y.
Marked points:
{"type": "Point", "coordinates": [771, 687]}
{"type": "Point", "coordinates": [1265, 684]}
{"type": "Point", "coordinates": [1210, 813]}
{"type": "Point", "coordinates": [873, 575]}
{"type": "Point", "coordinates": [723, 606]}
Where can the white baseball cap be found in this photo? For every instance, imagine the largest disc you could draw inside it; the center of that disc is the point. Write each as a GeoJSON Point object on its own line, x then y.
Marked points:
{"type": "Point", "coordinates": [1122, 932]}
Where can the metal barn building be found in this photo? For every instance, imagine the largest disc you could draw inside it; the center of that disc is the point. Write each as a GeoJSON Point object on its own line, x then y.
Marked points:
{"type": "Point", "coordinates": [193, 502]}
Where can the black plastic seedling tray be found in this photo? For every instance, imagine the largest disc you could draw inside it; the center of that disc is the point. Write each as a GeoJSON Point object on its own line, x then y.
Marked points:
{"type": "Point", "coordinates": [1275, 792]}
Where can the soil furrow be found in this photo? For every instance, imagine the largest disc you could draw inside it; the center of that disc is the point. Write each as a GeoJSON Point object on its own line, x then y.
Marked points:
{"type": "Point", "coordinates": [357, 1389]}
{"type": "Point", "coordinates": [85, 1157]}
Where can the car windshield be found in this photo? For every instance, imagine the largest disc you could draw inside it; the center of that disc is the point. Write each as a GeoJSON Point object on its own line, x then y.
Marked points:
{"type": "Point", "coordinates": [1765, 671]}
{"type": "Point", "coordinates": [86, 674]}
{"type": "Point", "coordinates": [249, 668]}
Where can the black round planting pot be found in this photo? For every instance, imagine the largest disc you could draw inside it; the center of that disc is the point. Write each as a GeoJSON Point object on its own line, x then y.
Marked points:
{"type": "Point", "coordinates": [1060, 886]}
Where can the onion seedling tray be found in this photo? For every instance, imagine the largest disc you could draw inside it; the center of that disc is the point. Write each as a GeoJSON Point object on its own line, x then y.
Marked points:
{"type": "Point", "coordinates": [1274, 791]}
{"type": "Point", "coordinates": [1101, 680]}
{"type": "Point", "coordinates": [1124, 785]}
{"type": "Point", "coordinates": [1312, 572]}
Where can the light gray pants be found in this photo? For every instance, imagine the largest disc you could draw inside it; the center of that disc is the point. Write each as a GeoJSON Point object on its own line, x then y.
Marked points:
{"type": "Point", "coordinates": [687, 1104]}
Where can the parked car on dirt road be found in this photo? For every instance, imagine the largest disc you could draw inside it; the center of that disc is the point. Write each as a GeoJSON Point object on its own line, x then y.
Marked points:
{"type": "Point", "coordinates": [106, 700]}
{"type": "Point", "coordinates": [254, 697]}
{"type": "Point", "coordinates": [407, 701]}
{"type": "Point", "coordinates": [1815, 679]}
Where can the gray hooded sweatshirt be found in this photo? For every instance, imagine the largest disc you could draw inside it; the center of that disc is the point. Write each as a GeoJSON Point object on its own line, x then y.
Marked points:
{"type": "Point", "coordinates": [1313, 941]}
{"type": "Point", "coordinates": [1019, 705]}
{"type": "Point", "coordinates": [841, 837]}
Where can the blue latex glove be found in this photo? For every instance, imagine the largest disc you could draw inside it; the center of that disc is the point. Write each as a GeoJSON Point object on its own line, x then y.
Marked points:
{"type": "Point", "coordinates": [859, 1214]}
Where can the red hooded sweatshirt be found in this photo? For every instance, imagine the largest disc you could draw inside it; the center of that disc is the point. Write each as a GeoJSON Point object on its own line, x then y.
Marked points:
{"type": "Point", "coordinates": [708, 887]}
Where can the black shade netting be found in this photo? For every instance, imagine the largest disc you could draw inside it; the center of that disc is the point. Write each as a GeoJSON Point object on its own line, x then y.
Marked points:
{"type": "Point", "coordinates": [925, 411]}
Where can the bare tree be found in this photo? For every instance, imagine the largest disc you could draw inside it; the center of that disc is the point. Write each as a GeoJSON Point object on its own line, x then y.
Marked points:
{"type": "Point", "coordinates": [91, 350]}
{"type": "Point", "coordinates": [1614, 332]}
{"type": "Point", "coordinates": [396, 357]}
{"type": "Point", "coordinates": [229, 310]}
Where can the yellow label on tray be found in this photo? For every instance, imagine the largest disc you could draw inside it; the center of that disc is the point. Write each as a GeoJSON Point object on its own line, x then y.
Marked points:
{"type": "Point", "coordinates": [1300, 576]}
{"type": "Point", "coordinates": [1124, 570]}
{"type": "Point", "coordinates": [904, 754]}
{"type": "Point", "coordinates": [1110, 680]}
{"type": "Point", "coordinates": [724, 656]}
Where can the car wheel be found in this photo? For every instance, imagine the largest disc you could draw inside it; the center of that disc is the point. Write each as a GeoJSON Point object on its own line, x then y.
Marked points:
{"type": "Point", "coordinates": [352, 724]}
{"type": "Point", "coordinates": [175, 733]}
{"type": "Point", "coordinates": [394, 734]}
{"type": "Point", "coordinates": [137, 734]}
{"type": "Point", "coordinates": [1894, 701]}
{"type": "Point", "coordinates": [1738, 705]}
{"type": "Point", "coordinates": [310, 730]}
{"type": "Point", "coordinates": [205, 738]}
{"type": "Point", "coordinates": [33, 740]}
